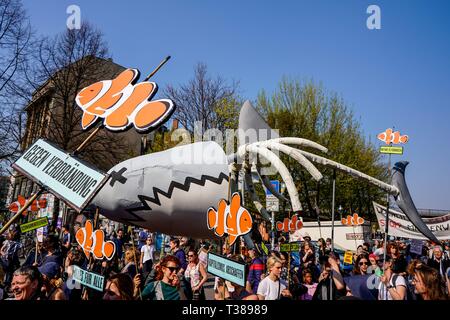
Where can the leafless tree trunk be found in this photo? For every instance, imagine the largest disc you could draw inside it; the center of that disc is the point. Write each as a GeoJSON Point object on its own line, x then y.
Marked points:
{"type": "Point", "coordinates": [15, 37]}
{"type": "Point", "coordinates": [212, 102]}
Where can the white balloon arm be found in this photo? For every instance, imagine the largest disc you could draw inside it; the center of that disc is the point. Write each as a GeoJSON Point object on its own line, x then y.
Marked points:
{"type": "Point", "coordinates": [266, 182]}
{"type": "Point", "coordinates": [256, 201]}
{"type": "Point", "coordinates": [294, 153]}
{"type": "Point", "coordinates": [298, 142]}
{"type": "Point", "coordinates": [279, 166]}
{"type": "Point", "coordinates": [330, 163]}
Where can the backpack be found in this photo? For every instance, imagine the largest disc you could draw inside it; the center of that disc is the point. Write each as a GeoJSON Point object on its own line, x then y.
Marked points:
{"type": "Point", "coordinates": [410, 295]}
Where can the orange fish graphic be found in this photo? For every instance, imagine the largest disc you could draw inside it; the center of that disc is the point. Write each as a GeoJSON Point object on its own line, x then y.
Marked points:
{"type": "Point", "coordinates": [353, 221]}
{"type": "Point", "coordinates": [389, 137]}
{"type": "Point", "coordinates": [94, 242]}
{"type": "Point", "coordinates": [35, 205]}
{"type": "Point", "coordinates": [290, 225]}
{"type": "Point", "coordinates": [232, 219]}
{"type": "Point", "coordinates": [121, 103]}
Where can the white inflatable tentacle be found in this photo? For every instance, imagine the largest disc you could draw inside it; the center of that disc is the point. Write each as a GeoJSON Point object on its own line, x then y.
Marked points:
{"type": "Point", "coordinates": [266, 182]}
{"type": "Point", "coordinates": [330, 163]}
{"type": "Point", "coordinates": [298, 142]}
{"type": "Point", "coordinates": [294, 153]}
{"type": "Point", "coordinates": [279, 166]}
{"type": "Point", "coordinates": [251, 190]}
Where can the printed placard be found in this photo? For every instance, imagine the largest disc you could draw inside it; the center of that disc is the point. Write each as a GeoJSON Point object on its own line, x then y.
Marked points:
{"type": "Point", "coordinates": [226, 269]}
{"type": "Point", "coordinates": [348, 257]}
{"type": "Point", "coordinates": [33, 225]}
{"type": "Point", "coordinates": [89, 279]}
{"type": "Point", "coordinates": [391, 150]}
{"type": "Point", "coordinates": [66, 176]}
{"type": "Point", "coordinates": [288, 247]}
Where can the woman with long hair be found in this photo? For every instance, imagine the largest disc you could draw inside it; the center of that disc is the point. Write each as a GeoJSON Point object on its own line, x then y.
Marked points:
{"type": "Point", "coordinates": [131, 258]}
{"type": "Point", "coordinates": [167, 284]}
{"type": "Point", "coordinates": [427, 283]}
{"type": "Point", "coordinates": [119, 287]}
{"type": "Point", "coordinates": [196, 274]}
{"type": "Point", "coordinates": [361, 265]}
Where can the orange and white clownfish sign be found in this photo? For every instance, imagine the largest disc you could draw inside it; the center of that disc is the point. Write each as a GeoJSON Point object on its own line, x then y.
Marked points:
{"type": "Point", "coordinates": [35, 206]}
{"type": "Point", "coordinates": [354, 220]}
{"type": "Point", "coordinates": [231, 219]}
{"type": "Point", "coordinates": [389, 136]}
{"type": "Point", "coordinates": [289, 225]}
{"type": "Point", "coordinates": [121, 103]}
{"type": "Point", "coordinates": [94, 242]}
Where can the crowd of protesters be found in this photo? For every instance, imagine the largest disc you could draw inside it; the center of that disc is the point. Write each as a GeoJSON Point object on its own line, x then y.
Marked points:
{"type": "Point", "coordinates": [138, 271]}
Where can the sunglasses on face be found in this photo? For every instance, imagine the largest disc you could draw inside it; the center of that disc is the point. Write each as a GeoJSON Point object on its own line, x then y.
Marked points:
{"type": "Point", "coordinates": [172, 269]}
{"type": "Point", "coordinates": [363, 263]}
{"type": "Point", "coordinates": [190, 255]}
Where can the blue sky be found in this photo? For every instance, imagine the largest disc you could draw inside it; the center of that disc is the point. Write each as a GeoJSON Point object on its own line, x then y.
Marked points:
{"type": "Point", "coordinates": [397, 76]}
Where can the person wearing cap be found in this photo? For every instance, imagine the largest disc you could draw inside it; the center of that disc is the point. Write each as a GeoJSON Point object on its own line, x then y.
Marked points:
{"type": "Point", "coordinates": [374, 267]}
{"type": "Point", "coordinates": [255, 271]}
{"type": "Point", "coordinates": [51, 283]}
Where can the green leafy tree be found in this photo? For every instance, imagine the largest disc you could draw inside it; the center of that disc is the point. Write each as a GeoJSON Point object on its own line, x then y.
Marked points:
{"type": "Point", "coordinates": [309, 111]}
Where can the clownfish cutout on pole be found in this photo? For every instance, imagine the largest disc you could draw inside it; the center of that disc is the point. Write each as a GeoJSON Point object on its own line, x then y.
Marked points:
{"type": "Point", "coordinates": [94, 242]}
{"type": "Point", "coordinates": [354, 220]}
{"type": "Point", "coordinates": [35, 206]}
{"type": "Point", "coordinates": [121, 103]}
{"type": "Point", "coordinates": [232, 219]}
{"type": "Point", "coordinates": [389, 137]}
{"type": "Point", "coordinates": [290, 225]}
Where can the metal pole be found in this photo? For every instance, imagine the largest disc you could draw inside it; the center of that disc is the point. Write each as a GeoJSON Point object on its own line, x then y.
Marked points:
{"type": "Point", "coordinates": [332, 229]}
{"type": "Point", "coordinates": [273, 230]}
{"type": "Point", "coordinates": [386, 227]}
{"type": "Point", "coordinates": [135, 260]}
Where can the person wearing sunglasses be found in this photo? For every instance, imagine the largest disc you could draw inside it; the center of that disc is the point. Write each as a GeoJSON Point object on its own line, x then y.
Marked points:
{"type": "Point", "coordinates": [167, 284]}
{"type": "Point", "coordinates": [361, 264]}
{"type": "Point", "coordinates": [427, 283]}
{"type": "Point", "coordinates": [196, 274]}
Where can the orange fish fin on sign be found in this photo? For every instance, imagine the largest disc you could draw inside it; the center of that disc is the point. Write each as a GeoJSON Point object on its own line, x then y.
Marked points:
{"type": "Point", "coordinates": [153, 113]}
{"type": "Point", "coordinates": [21, 200]}
{"type": "Point", "coordinates": [119, 119]}
{"type": "Point", "coordinates": [404, 139]}
{"type": "Point", "coordinates": [279, 226]}
{"type": "Point", "coordinates": [212, 218]}
{"type": "Point", "coordinates": [87, 120]}
{"type": "Point", "coordinates": [232, 239]}
{"type": "Point", "coordinates": [98, 239]}
{"type": "Point", "coordinates": [109, 249]}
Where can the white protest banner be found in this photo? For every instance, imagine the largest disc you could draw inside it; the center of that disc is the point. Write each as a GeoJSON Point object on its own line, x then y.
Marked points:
{"type": "Point", "coordinates": [66, 176]}
{"type": "Point", "coordinates": [400, 226]}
